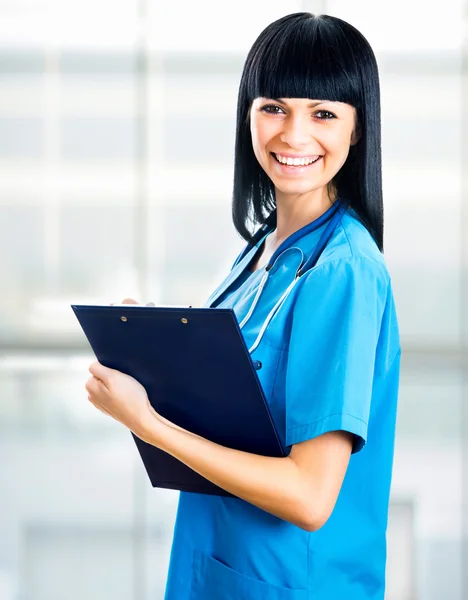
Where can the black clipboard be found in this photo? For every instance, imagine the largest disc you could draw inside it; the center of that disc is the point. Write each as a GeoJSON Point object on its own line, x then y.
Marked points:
{"type": "Point", "coordinates": [197, 372]}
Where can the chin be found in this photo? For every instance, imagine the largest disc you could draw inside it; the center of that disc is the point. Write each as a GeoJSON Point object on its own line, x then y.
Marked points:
{"type": "Point", "coordinates": [294, 190]}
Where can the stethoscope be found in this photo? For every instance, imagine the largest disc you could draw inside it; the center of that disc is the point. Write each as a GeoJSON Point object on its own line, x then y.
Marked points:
{"type": "Point", "coordinates": [336, 213]}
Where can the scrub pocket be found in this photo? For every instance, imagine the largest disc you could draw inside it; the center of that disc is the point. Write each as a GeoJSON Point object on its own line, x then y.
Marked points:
{"type": "Point", "coordinates": [212, 580]}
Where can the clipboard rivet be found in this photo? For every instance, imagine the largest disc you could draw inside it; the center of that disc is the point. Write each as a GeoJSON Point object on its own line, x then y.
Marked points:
{"type": "Point", "coordinates": [184, 320]}
{"type": "Point", "coordinates": [124, 319]}
{"type": "Point", "coordinates": [257, 364]}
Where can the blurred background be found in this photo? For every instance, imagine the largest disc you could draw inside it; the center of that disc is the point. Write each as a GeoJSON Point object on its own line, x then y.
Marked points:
{"type": "Point", "coordinates": [117, 122]}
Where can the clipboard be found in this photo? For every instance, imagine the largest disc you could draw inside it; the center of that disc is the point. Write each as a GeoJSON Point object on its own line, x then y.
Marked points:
{"type": "Point", "coordinates": [197, 372]}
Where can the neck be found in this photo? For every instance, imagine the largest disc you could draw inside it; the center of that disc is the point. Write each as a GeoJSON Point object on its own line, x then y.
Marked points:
{"type": "Point", "coordinates": [294, 212]}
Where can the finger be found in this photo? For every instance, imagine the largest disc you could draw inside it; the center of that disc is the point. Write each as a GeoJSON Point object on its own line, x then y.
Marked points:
{"type": "Point", "coordinates": [130, 301]}
{"type": "Point", "coordinates": [93, 386]}
{"type": "Point", "coordinates": [151, 304]}
{"type": "Point", "coordinates": [101, 372]}
{"type": "Point", "coordinates": [90, 385]}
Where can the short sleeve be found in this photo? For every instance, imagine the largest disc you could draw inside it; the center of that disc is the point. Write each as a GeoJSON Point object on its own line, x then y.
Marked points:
{"type": "Point", "coordinates": [335, 329]}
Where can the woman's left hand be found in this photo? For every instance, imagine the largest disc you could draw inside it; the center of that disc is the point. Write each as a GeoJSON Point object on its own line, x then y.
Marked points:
{"type": "Point", "coordinates": [122, 397]}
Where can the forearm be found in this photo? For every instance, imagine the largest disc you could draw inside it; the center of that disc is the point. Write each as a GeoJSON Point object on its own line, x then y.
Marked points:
{"type": "Point", "coordinates": [275, 485]}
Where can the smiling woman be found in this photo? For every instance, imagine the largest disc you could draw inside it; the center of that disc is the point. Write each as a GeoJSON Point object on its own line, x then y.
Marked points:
{"type": "Point", "coordinates": [314, 301]}
{"type": "Point", "coordinates": [309, 87]}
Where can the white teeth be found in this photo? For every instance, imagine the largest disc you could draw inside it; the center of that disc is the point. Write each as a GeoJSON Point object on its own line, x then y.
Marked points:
{"type": "Point", "coordinates": [296, 161]}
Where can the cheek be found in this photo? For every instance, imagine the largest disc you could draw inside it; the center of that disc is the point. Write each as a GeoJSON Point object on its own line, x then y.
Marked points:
{"type": "Point", "coordinates": [261, 135]}
{"type": "Point", "coordinates": [254, 138]}
{"type": "Point", "coordinates": [337, 145]}
{"type": "Point", "coordinates": [258, 146]}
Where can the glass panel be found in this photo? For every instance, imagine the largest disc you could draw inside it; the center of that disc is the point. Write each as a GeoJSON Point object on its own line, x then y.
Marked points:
{"type": "Point", "coordinates": [401, 552]}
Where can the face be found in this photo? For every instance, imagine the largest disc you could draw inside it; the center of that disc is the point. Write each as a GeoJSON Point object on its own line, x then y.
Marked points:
{"type": "Point", "coordinates": [301, 143]}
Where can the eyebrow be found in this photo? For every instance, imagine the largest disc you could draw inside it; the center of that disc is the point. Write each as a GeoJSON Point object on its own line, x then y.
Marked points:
{"type": "Point", "coordinates": [311, 105]}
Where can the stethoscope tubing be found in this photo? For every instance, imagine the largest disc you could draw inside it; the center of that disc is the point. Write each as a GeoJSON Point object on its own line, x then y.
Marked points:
{"type": "Point", "coordinates": [302, 269]}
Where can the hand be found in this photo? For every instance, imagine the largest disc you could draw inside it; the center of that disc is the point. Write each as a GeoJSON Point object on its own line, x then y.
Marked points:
{"type": "Point", "coordinates": [132, 301]}
{"type": "Point", "coordinates": [121, 397]}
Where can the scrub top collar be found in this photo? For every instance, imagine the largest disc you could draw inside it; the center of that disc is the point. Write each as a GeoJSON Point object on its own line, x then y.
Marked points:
{"type": "Point", "coordinates": [326, 234]}
{"type": "Point", "coordinates": [250, 251]}
{"type": "Point", "coordinates": [268, 227]}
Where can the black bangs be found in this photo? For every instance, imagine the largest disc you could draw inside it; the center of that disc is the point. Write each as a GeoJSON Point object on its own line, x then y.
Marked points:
{"type": "Point", "coordinates": [303, 59]}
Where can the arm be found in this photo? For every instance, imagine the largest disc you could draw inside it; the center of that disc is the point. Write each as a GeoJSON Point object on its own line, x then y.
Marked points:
{"type": "Point", "coordinates": [301, 488]}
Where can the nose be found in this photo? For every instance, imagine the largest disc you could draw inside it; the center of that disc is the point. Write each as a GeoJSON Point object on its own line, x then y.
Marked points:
{"type": "Point", "coordinates": [296, 131]}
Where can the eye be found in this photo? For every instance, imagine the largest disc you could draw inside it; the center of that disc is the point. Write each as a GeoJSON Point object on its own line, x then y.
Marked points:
{"type": "Point", "coordinates": [325, 112]}
{"type": "Point", "coordinates": [270, 109]}
{"type": "Point", "coordinates": [274, 109]}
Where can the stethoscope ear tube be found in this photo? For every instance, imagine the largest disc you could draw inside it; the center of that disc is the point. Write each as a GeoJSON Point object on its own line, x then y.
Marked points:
{"type": "Point", "coordinates": [271, 314]}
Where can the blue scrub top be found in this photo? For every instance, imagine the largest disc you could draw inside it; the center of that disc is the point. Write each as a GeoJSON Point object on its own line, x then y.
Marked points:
{"type": "Point", "coordinates": [330, 360]}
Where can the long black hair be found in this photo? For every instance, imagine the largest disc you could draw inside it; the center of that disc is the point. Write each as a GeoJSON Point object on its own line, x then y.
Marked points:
{"type": "Point", "coordinates": [321, 57]}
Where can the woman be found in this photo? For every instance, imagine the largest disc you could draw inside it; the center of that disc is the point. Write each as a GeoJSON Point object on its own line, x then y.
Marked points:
{"type": "Point", "coordinates": [314, 300]}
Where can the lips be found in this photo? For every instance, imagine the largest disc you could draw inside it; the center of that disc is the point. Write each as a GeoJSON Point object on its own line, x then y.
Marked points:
{"type": "Point", "coordinates": [290, 168]}
{"type": "Point", "coordinates": [295, 156]}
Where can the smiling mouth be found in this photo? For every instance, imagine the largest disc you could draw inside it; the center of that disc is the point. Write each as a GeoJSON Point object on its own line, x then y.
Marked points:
{"type": "Point", "coordinates": [293, 166]}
